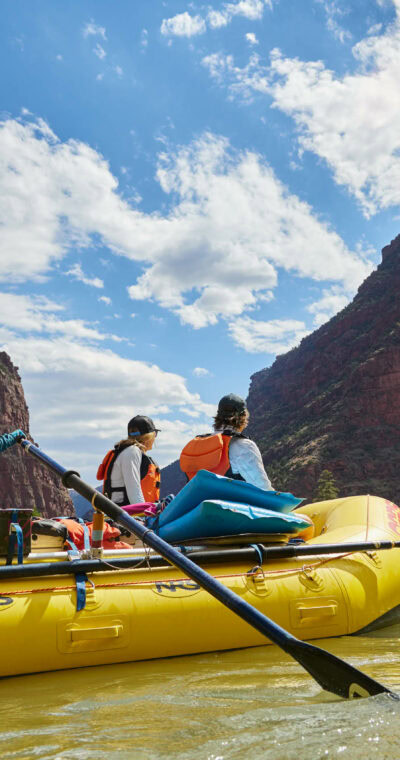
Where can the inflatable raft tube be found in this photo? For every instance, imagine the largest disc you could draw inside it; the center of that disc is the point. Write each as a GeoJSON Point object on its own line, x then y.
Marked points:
{"type": "Point", "coordinates": [151, 612]}
{"type": "Point", "coordinates": [206, 485]}
{"type": "Point", "coordinates": [214, 518]}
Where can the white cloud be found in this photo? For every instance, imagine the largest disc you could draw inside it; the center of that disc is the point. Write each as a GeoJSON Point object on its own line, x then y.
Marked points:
{"type": "Point", "coordinates": [92, 29]}
{"type": "Point", "coordinates": [183, 25]}
{"type": "Point", "coordinates": [250, 9]}
{"type": "Point", "coordinates": [333, 113]}
{"type": "Point", "coordinates": [216, 19]}
{"type": "Point", "coordinates": [38, 314]}
{"type": "Point", "coordinates": [352, 121]}
{"type": "Point", "coordinates": [274, 337]}
{"type": "Point", "coordinates": [144, 38]}
{"type": "Point", "coordinates": [242, 82]}
{"type": "Point", "coordinates": [375, 29]}
{"type": "Point", "coordinates": [215, 237]}
{"type": "Point", "coordinates": [201, 372]}
{"type": "Point", "coordinates": [251, 38]}
{"type": "Point", "coordinates": [119, 71]}
{"type": "Point", "coordinates": [105, 299]}
{"type": "Point", "coordinates": [335, 12]}
{"type": "Point", "coordinates": [77, 273]}
{"type": "Point", "coordinates": [99, 51]}
{"type": "Point", "coordinates": [331, 301]}
{"type": "Point", "coordinates": [157, 320]}
{"type": "Point", "coordinates": [207, 257]}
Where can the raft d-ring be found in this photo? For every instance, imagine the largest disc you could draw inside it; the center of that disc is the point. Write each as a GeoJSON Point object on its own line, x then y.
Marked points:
{"type": "Point", "coordinates": [255, 570]}
{"type": "Point", "coordinates": [92, 599]}
{"type": "Point", "coordinates": [374, 558]}
{"type": "Point", "coordinates": [310, 578]}
{"type": "Point", "coordinates": [256, 581]}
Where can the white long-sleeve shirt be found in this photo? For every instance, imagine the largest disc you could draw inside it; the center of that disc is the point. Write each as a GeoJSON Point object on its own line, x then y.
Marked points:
{"type": "Point", "coordinates": [126, 472]}
{"type": "Point", "coordinates": [245, 460]}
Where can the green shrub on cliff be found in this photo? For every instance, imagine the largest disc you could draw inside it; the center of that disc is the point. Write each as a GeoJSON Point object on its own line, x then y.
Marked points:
{"type": "Point", "coordinates": [279, 476]}
{"type": "Point", "coordinates": [326, 487]}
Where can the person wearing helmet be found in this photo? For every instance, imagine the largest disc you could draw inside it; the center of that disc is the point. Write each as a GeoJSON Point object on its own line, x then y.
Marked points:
{"type": "Point", "coordinates": [227, 451]}
{"type": "Point", "coordinates": [129, 474]}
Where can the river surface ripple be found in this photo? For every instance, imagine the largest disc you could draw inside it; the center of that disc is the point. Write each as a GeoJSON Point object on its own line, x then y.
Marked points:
{"type": "Point", "coordinates": [249, 703]}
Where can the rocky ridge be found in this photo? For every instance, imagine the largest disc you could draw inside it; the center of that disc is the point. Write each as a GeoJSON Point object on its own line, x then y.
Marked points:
{"type": "Point", "coordinates": [24, 481]}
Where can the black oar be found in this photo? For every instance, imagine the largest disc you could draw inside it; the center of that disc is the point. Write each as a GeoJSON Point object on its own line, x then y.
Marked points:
{"type": "Point", "coordinates": [308, 550]}
{"type": "Point", "coordinates": [329, 671]}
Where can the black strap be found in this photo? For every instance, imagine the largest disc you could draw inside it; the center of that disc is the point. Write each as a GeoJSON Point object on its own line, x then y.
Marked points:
{"type": "Point", "coordinates": [108, 490]}
{"type": "Point", "coordinates": [233, 433]}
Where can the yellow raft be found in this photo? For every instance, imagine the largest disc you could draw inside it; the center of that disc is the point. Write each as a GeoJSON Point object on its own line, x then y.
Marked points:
{"type": "Point", "coordinates": [150, 612]}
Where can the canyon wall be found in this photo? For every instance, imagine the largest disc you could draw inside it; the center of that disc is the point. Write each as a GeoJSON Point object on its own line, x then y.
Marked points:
{"type": "Point", "coordinates": [24, 482]}
{"type": "Point", "coordinates": [334, 401]}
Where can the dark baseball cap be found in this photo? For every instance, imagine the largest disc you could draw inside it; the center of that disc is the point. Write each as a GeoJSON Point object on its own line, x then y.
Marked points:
{"type": "Point", "coordinates": [140, 425]}
{"type": "Point", "coordinates": [232, 403]}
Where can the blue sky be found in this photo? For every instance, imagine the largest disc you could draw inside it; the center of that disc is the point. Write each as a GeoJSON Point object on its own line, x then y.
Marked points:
{"type": "Point", "coordinates": [187, 190]}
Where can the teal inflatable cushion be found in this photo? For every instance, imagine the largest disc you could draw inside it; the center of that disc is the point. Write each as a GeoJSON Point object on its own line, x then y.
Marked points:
{"type": "Point", "coordinates": [207, 485]}
{"type": "Point", "coordinates": [218, 518]}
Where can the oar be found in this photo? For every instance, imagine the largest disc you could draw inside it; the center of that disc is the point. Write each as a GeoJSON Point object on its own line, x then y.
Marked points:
{"type": "Point", "coordinates": [308, 550]}
{"type": "Point", "coordinates": [332, 673]}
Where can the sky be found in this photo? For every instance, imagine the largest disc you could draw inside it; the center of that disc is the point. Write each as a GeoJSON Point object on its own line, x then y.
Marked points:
{"type": "Point", "coordinates": [186, 191]}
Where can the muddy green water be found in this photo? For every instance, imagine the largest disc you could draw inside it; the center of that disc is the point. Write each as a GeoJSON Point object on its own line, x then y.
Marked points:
{"type": "Point", "coordinates": [251, 703]}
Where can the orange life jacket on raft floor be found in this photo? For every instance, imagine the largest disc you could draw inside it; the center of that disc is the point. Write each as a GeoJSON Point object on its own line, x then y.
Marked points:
{"type": "Point", "coordinates": [209, 452]}
{"type": "Point", "coordinates": [149, 476]}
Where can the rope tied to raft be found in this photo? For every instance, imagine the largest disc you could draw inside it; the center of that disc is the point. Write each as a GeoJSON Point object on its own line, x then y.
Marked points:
{"type": "Point", "coordinates": [8, 439]}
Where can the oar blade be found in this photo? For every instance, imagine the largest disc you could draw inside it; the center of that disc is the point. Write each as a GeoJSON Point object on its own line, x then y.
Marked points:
{"type": "Point", "coordinates": [335, 675]}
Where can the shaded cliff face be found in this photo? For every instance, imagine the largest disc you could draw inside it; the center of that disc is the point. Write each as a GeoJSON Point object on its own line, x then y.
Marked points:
{"type": "Point", "coordinates": [24, 482]}
{"type": "Point", "coordinates": [334, 402]}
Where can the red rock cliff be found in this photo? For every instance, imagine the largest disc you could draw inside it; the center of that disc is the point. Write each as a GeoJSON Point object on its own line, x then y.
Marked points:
{"type": "Point", "coordinates": [334, 402]}
{"type": "Point", "coordinates": [24, 482]}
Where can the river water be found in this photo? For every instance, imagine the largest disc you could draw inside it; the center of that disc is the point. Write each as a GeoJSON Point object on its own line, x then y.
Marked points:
{"type": "Point", "coordinates": [249, 703]}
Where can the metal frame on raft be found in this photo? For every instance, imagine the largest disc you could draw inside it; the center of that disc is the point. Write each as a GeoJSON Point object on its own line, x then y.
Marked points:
{"type": "Point", "coordinates": [251, 554]}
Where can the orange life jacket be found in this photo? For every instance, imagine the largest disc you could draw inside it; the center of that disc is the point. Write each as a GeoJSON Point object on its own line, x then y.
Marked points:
{"type": "Point", "coordinates": [209, 452]}
{"type": "Point", "coordinates": [110, 535]}
{"type": "Point", "coordinates": [149, 476]}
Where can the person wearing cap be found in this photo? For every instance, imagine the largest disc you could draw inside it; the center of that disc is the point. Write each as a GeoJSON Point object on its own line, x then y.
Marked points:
{"type": "Point", "coordinates": [129, 474]}
{"type": "Point", "coordinates": [227, 451]}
